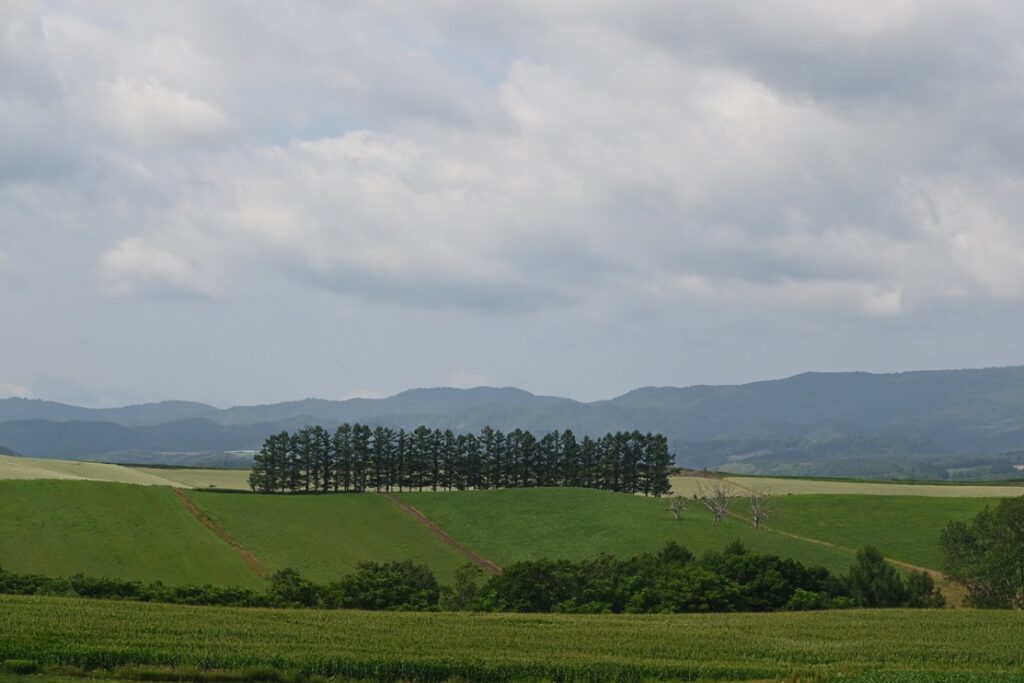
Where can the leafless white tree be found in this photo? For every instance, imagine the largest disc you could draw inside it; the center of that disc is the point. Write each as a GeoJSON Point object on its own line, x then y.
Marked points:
{"type": "Point", "coordinates": [760, 506]}
{"type": "Point", "coordinates": [715, 497]}
{"type": "Point", "coordinates": [677, 505]}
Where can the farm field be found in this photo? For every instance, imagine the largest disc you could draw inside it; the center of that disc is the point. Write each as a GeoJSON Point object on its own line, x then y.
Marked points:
{"type": "Point", "coordinates": [16, 467]}
{"type": "Point", "coordinates": [854, 645]}
{"type": "Point", "coordinates": [324, 536]}
{"type": "Point", "coordinates": [688, 485]}
{"type": "Point", "coordinates": [13, 467]}
{"type": "Point", "coordinates": [196, 478]}
{"type": "Point", "coordinates": [60, 528]}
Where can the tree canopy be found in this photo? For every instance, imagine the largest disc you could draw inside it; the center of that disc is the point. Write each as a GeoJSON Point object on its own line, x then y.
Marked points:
{"type": "Point", "coordinates": [986, 555]}
{"type": "Point", "coordinates": [357, 458]}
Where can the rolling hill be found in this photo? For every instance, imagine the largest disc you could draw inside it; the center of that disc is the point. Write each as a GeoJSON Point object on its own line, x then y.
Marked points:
{"type": "Point", "coordinates": [153, 533]}
{"type": "Point", "coordinates": [933, 424]}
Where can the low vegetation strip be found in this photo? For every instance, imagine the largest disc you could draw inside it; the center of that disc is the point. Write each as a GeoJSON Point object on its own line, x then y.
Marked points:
{"type": "Point", "coordinates": [251, 561]}
{"type": "Point", "coordinates": [780, 486]}
{"type": "Point", "coordinates": [858, 645]}
{"type": "Point", "coordinates": [440, 533]}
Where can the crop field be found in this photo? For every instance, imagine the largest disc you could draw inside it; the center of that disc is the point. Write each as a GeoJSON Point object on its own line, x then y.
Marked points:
{"type": "Point", "coordinates": [857, 645]}
{"type": "Point", "coordinates": [12, 467]}
{"type": "Point", "coordinates": [60, 528]}
{"type": "Point", "coordinates": [196, 478]}
{"type": "Point", "coordinates": [688, 485]}
{"type": "Point", "coordinates": [324, 536]}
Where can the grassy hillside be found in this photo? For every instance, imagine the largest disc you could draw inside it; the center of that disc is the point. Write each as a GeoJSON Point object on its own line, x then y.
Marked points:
{"type": "Point", "coordinates": [63, 527]}
{"type": "Point", "coordinates": [60, 528]}
{"type": "Point", "coordinates": [325, 536]}
{"type": "Point", "coordinates": [854, 646]}
{"type": "Point", "coordinates": [505, 526]}
{"type": "Point", "coordinates": [521, 524]}
{"type": "Point", "coordinates": [905, 528]}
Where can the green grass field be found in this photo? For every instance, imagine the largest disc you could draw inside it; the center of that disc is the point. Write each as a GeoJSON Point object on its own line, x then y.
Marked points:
{"type": "Point", "coordinates": [523, 524]}
{"type": "Point", "coordinates": [324, 536]}
{"type": "Point", "coordinates": [864, 646]}
{"type": "Point", "coordinates": [905, 528]}
{"type": "Point", "coordinates": [60, 528]}
{"type": "Point", "coordinates": [779, 486]}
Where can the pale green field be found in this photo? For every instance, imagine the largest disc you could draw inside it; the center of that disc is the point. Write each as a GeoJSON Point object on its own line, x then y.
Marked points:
{"type": "Point", "coordinates": [44, 468]}
{"type": "Point", "coordinates": [200, 479]}
{"type": "Point", "coordinates": [688, 486]}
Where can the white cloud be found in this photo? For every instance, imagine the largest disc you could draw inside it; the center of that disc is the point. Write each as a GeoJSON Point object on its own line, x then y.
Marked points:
{"type": "Point", "coordinates": [149, 113]}
{"type": "Point", "coordinates": [700, 167]}
{"type": "Point", "coordinates": [134, 266]}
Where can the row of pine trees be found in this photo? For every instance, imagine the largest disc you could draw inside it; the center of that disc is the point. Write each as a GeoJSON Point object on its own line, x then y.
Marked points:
{"type": "Point", "coordinates": [356, 457]}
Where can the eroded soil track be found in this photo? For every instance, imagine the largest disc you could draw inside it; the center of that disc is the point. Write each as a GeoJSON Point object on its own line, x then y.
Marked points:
{"type": "Point", "coordinates": [440, 533]}
{"type": "Point", "coordinates": [251, 560]}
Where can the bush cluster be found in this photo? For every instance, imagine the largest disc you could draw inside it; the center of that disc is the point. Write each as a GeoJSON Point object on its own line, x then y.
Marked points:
{"type": "Point", "coordinates": [672, 580]}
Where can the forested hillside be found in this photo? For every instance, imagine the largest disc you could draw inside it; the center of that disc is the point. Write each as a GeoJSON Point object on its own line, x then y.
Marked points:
{"type": "Point", "coordinates": [953, 424]}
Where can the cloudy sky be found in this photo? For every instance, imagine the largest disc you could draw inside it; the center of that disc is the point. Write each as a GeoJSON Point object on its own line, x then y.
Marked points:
{"type": "Point", "coordinates": [250, 201]}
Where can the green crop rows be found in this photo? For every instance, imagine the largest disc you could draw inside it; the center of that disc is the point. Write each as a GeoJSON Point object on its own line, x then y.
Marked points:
{"type": "Point", "coordinates": [867, 645]}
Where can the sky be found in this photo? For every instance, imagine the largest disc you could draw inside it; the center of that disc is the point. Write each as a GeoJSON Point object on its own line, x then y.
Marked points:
{"type": "Point", "coordinates": [253, 201]}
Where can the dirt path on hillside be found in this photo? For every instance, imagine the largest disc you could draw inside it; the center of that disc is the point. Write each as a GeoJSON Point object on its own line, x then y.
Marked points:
{"type": "Point", "coordinates": [440, 533]}
{"type": "Point", "coordinates": [251, 560]}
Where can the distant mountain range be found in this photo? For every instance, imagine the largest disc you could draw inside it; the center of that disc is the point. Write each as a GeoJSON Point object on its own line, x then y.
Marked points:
{"type": "Point", "coordinates": [931, 424]}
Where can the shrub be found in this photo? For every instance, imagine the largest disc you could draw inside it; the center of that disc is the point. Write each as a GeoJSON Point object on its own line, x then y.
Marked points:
{"type": "Point", "coordinates": [22, 667]}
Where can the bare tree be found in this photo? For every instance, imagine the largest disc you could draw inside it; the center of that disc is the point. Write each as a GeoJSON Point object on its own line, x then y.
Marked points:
{"type": "Point", "coordinates": [760, 506]}
{"type": "Point", "coordinates": [677, 505]}
{"type": "Point", "coordinates": [715, 497]}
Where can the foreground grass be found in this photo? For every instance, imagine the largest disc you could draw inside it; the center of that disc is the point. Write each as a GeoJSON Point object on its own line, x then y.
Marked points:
{"type": "Point", "coordinates": [869, 645]}
{"type": "Point", "coordinates": [60, 528]}
{"type": "Point", "coordinates": [325, 536]}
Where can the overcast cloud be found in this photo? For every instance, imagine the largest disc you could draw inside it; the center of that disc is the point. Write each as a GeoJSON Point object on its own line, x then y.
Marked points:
{"type": "Point", "coordinates": [241, 202]}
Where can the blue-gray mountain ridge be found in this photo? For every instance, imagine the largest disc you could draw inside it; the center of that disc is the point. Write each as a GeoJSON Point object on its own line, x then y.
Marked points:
{"type": "Point", "coordinates": [944, 424]}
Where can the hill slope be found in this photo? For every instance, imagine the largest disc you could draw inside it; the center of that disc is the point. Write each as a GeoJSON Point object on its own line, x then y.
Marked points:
{"type": "Point", "coordinates": [149, 533]}
{"type": "Point", "coordinates": [60, 528]}
{"type": "Point", "coordinates": [840, 423]}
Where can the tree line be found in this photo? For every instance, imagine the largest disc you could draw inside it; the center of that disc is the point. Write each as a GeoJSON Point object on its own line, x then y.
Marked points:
{"type": "Point", "coordinates": [356, 457]}
{"type": "Point", "coordinates": [671, 580]}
